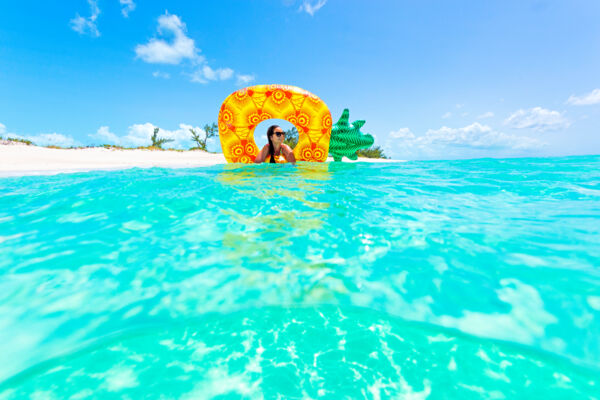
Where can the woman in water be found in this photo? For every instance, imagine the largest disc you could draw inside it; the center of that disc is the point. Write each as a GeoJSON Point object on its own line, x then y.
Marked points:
{"type": "Point", "coordinates": [275, 149]}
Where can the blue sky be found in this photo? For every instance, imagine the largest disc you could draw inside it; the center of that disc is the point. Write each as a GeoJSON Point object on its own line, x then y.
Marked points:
{"type": "Point", "coordinates": [433, 79]}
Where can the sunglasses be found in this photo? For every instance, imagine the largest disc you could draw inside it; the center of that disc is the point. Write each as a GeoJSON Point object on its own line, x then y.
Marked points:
{"type": "Point", "coordinates": [278, 134]}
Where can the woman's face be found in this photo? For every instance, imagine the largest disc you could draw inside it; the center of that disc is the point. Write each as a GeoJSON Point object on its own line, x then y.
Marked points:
{"type": "Point", "coordinates": [278, 136]}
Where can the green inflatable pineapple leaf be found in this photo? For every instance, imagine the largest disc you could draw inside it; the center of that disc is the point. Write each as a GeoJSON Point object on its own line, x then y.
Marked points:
{"type": "Point", "coordinates": [347, 139]}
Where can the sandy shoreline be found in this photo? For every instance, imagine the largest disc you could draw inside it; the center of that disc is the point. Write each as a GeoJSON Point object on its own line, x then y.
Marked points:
{"type": "Point", "coordinates": [19, 160]}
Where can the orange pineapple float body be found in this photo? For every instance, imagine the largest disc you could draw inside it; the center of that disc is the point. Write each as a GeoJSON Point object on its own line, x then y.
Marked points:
{"type": "Point", "coordinates": [246, 108]}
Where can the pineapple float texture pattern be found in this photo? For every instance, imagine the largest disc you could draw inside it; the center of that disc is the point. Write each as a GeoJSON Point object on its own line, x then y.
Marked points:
{"type": "Point", "coordinates": [347, 139]}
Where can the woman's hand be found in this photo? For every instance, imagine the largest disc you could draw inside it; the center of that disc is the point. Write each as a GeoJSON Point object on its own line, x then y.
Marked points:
{"type": "Point", "coordinates": [288, 153]}
{"type": "Point", "coordinates": [260, 158]}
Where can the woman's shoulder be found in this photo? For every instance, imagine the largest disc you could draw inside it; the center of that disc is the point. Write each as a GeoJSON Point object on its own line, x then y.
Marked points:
{"type": "Point", "coordinates": [285, 147]}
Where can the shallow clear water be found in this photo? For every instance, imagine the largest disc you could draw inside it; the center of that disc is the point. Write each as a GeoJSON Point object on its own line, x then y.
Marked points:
{"type": "Point", "coordinates": [447, 279]}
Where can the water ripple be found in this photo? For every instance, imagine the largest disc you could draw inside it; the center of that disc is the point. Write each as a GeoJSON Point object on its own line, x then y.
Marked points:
{"type": "Point", "coordinates": [499, 249]}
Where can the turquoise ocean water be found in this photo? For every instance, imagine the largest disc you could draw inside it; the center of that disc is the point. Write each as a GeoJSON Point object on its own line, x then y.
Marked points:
{"type": "Point", "coordinates": [475, 279]}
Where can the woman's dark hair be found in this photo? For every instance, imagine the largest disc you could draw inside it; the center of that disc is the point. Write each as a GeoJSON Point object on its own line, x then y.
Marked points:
{"type": "Point", "coordinates": [270, 133]}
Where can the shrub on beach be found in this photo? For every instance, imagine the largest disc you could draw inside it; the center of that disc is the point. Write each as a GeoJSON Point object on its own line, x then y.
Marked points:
{"type": "Point", "coordinates": [210, 131]}
{"type": "Point", "coordinates": [11, 140]}
{"type": "Point", "coordinates": [291, 137]}
{"type": "Point", "coordinates": [371, 152]}
{"type": "Point", "coordinates": [158, 142]}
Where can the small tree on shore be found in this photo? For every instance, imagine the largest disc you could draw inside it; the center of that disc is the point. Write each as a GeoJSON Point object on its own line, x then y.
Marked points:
{"type": "Point", "coordinates": [371, 152]}
{"type": "Point", "coordinates": [210, 131]}
{"type": "Point", "coordinates": [291, 137]}
{"type": "Point", "coordinates": [158, 142]}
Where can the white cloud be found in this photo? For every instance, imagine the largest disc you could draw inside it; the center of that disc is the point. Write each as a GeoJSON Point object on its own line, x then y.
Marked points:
{"type": "Point", "coordinates": [52, 139]}
{"type": "Point", "coordinates": [42, 139]}
{"type": "Point", "coordinates": [140, 135]}
{"type": "Point", "coordinates": [178, 48]}
{"type": "Point", "coordinates": [163, 75]}
{"type": "Point", "coordinates": [160, 51]}
{"type": "Point", "coordinates": [538, 119]}
{"type": "Point", "coordinates": [219, 74]}
{"type": "Point", "coordinates": [127, 6]}
{"type": "Point", "coordinates": [106, 135]}
{"type": "Point", "coordinates": [312, 7]}
{"type": "Point", "coordinates": [447, 115]}
{"type": "Point", "coordinates": [403, 134]}
{"type": "Point", "coordinates": [474, 140]}
{"type": "Point", "coordinates": [588, 99]}
{"type": "Point", "coordinates": [488, 114]}
{"type": "Point", "coordinates": [244, 79]}
{"type": "Point", "coordinates": [206, 73]}
{"type": "Point", "coordinates": [477, 135]}
{"type": "Point", "coordinates": [87, 25]}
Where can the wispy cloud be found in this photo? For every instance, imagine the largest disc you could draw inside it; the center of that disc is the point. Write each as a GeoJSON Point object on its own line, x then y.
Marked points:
{"type": "Point", "coordinates": [537, 119]}
{"type": "Point", "coordinates": [161, 51]}
{"type": "Point", "coordinates": [447, 115]}
{"type": "Point", "coordinates": [163, 75]}
{"type": "Point", "coordinates": [127, 6]}
{"type": "Point", "coordinates": [587, 99]}
{"type": "Point", "coordinates": [311, 7]}
{"type": "Point", "coordinates": [42, 139]}
{"type": "Point", "coordinates": [206, 73]}
{"type": "Point", "coordinates": [140, 135]}
{"type": "Point", "coordinates": [84, 25]}
{"type": "Point", "coordinates": [479, 136]}
{"type": "Point", "coordinates": [403, 134]}
{"type": "Point", "coordinates": [54, 139]}
{"type": "Point", "coordinates": [244, 79]}
{"type": "Point", "coordinates": [470, 141]}
{"type": "Point", "coordinates": [105, 135]}
{"type": "Point", "coordinates": [488, 114]}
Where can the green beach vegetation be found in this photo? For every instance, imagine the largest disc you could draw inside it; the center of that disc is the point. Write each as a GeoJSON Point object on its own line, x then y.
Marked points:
{"type": "Point", "coordinates": [371, 152]}
{"type": "Point", "coordinates": [158, 141]}
{"type": "Point", "coordinates": [291, 137]}
{"type": "Point", "coordinates": [17, 140]}
{"type": "Point", "coordinates": [210, 131]}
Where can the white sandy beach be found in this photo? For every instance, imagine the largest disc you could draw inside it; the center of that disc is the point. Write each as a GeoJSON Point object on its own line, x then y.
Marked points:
{"type": "Point", "coordinates": [20, 159]}
{"type": "Point", "coordinates": [35, 160]}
